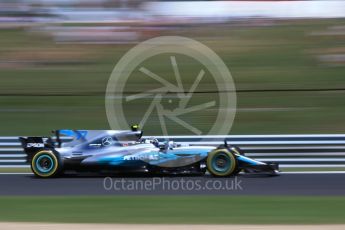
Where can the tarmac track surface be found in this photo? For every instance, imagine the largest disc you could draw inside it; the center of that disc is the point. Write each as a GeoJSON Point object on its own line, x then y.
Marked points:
{"type": "Point", "coordinates": [285, 184]}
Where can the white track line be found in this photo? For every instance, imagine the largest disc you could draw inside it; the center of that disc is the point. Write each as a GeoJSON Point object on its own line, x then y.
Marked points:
{"type": "Point", "coordinates": [14, 166]}
{"type": "Point", "coordinates": [301, 159]}
{"type": "Point", "coordinates": [14, 173]}
{"type": "Point", "coordinates": [315, 172]}
{"type": "Point", "coordinates": [254, 136]}
{"type": "Point", "coordinates": [311, 165]}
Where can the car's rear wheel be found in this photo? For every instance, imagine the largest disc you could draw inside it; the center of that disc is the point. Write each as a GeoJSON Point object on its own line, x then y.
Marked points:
{"type": "Point", "coordinates": [46, 164]}
{"type": "Point", "coordinates": [222, 163]}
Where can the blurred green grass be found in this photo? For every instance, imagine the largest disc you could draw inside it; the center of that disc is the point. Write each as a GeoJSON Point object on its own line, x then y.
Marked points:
{"type": "Point", "coordinates": [45, 86]}
{"type": "Point", "coordinates": [175, 209]}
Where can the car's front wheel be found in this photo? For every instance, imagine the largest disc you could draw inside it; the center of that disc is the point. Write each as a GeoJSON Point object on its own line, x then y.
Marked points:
{"type": "Point", "coordinates": [222, 163]}
{"type": "Point", "coordinates": [46, 164]}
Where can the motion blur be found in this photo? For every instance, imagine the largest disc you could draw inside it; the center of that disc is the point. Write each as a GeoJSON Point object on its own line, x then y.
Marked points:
{"type": "Point", "coordinates": [287, 59]}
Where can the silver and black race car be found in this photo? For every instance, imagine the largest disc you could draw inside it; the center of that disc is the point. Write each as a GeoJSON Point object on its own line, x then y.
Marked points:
{"type": "Point", "coordinates": [111, 151]}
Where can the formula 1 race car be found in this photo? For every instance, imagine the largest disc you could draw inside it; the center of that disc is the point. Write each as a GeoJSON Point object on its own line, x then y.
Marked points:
{"type": "Point", "coordinates": [110, 151]}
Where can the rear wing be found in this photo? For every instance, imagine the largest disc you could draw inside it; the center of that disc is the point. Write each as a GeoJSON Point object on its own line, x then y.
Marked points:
{"type": "Point", "coordinates": [32, 145]}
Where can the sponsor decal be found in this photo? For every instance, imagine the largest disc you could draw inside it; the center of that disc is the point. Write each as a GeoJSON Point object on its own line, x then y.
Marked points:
{"type": "Point", "coordinates": [107, 141]}
{"type": "Point", "coordinates": [143, 157]}
{"type": "Point", "coordinates": [35, 145]}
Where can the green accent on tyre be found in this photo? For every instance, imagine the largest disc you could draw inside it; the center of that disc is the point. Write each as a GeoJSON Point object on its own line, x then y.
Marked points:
{"type": "Point", "coordinates": [45, 164]}
{"type": "Point", "coordinates": [221, 162]}
{"type": "Point", "coordinates": [42, 168]}
{"type": "Point", "coordinates": [220, 159]}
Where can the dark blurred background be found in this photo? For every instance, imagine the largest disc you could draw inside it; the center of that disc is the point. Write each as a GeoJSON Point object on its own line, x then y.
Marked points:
{"type": "Point", "coordinates": [287, 59]}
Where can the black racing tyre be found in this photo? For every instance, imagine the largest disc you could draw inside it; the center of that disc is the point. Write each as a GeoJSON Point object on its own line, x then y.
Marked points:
{"type": "Point", "coordinates": [46, 164]}
{"type": "Point", "coordinates": [222, 163]}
